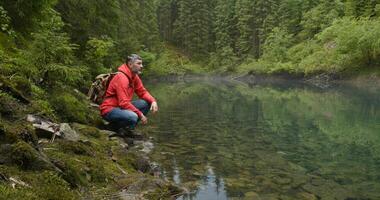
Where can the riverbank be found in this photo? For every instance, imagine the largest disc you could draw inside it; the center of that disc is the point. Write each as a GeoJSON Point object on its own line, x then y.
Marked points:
{"type": "Point", "coordinates": [42, 157]}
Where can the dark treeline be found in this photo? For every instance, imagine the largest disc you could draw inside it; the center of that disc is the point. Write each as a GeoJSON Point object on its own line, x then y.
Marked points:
{"type": "Point", "coordinates": [266, 35]}
{"type": "Point", "coordinates": [49, 47]}
{"type": "Point", "coordinates": [69, 41]}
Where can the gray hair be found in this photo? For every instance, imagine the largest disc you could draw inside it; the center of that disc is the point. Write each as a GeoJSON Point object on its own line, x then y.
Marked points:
{"type": "Point", "coordinates": [133, 57]}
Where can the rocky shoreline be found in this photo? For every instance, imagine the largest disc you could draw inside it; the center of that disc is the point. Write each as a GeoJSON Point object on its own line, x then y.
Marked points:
{"type": "Point", "coordinates": [85, 163]}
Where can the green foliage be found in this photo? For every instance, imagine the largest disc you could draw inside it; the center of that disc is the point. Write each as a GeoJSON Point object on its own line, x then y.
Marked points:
{"type": "Point", "coordinates": [4, 22]}
{"type": "Point", "coordinates": [320, 17]}
{"type": "Point", "coordinates": [193, 27]}
{"type": "Point", "coordinates": [22, 84]}
{"type": "Point", "coordinates": [170, 62]}
{"type": "Point", "coordinates": [148, 58]}
{"type": "Point", "coordinates": [52, 54]}
{"type": "Point", "coordinates": [276, 46]}
{"type": "Point", "coordinates": [354, 43]}
{"type": "Point", "coordinates": [25, 15]}
{"type": "Point", "coordinates": [98, 52]}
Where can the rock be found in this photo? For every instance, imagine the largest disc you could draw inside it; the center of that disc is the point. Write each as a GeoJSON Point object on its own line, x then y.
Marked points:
{"type": "Point", "coordinates": [44, 128]}
{"type": "Point", "coordinates": [306, 196]}
{"type": "Point", "coordinates": [68, 133]}
{"type": "Point", "coordinates": [143, 164]}
{"type": "Point", "coordinates": [15, 182]}
{"type": "Point", "coordinates": [282, 180]}
{"type": "Point", "coordinates": [147, 147]}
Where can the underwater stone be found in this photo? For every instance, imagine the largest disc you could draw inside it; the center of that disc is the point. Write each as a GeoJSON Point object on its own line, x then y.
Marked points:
{"type": "Point", "coordinates": [251, 195]}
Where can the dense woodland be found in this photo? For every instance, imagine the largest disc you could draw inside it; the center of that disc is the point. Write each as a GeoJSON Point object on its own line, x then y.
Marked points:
{"type": "Point", "coordinates": [296, 36]}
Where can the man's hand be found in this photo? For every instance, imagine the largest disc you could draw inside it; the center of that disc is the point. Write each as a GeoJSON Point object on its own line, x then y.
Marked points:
{"type": "Point", "coordinates": [144, 120]}
{"type": "Point", "coordinates": [154, 107]}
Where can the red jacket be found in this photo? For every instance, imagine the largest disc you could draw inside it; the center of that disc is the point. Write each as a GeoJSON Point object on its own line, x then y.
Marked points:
{"type": "Point", "coordinates": [120, 92]}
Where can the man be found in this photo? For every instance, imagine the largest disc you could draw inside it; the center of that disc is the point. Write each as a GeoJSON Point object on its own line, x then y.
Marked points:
{"type": "Point", "coordinates": [118, 107]}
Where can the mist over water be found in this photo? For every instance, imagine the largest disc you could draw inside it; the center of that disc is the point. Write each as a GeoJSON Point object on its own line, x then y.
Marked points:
{"type": "Point", "coordinates": [233, 141]}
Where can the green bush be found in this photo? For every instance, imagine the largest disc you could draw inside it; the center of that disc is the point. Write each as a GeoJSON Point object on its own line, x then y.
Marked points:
{"type": "Point", "coordinates": [147, 57]}
{"type": "Point", "coordinates": [98, 55]}
{"type": "Point", "coordinates": [353, 43]}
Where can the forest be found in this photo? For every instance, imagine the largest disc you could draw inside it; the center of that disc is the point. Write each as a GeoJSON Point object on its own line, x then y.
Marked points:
{"type": "Point", "coordinates": [51, 51]}
{"type": "Point", "coordinates": [80, 39]}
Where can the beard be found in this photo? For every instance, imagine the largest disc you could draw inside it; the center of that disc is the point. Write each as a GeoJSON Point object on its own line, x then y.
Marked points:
{"type": "Point", "coordinates": [136, 70]}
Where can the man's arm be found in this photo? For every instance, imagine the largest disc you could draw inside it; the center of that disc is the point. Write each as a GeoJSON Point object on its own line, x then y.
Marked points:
{"type": "Point", "coordinates": [124, 95]}
{"type": "Point", "coordinates": [141, 92]}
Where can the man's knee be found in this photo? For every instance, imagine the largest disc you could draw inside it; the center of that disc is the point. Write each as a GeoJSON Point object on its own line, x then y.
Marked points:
{"type": "Point", "coordinates": [131, 117]}
{"type": "Point", "coordinates": [142, 105]}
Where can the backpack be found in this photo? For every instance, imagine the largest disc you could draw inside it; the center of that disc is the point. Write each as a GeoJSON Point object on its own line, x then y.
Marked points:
{"type": "Point", "coordinates": [99, 87]}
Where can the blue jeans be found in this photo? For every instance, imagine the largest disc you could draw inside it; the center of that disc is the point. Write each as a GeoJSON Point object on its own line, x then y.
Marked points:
{"type": "Point", "coordinates": [120, 118]}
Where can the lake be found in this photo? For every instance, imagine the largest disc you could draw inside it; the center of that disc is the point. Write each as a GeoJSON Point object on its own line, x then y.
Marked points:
{"type": "Point", "coordinates": [231, 140]}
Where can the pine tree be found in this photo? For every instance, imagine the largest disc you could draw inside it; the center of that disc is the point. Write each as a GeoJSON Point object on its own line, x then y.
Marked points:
{"type": "Point", "coordinates": [245, 27]}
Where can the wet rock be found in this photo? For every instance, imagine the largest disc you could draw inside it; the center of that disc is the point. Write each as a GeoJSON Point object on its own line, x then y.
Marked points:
{"type": "Point", "coordinates": [282, 180]}
{"type": "Point", "coordinates": [147, 147]}
{"type": "Point", "coordinates": [144, 187]}
{"type": "Point", "coordinates": [68, 133]}
{"type": "Point", "coordinates": [142, 164]}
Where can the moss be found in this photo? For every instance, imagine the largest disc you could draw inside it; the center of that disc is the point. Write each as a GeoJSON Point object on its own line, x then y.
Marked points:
{"type": "Point", "coordinates": [75, 147]}
{"type": "Point", "coordinates": [8, 192]}
{"type": "Point", "coordinates": [97, 171]}
{"type": "Point", "coordinates": [87, 130]}
{"type": "Point", "coordinates": [9, 106]}
{"type": "Point", "coordinates": [22, 84]}
{"type": "Point", "coordinates": [41, 185]}
{"type": "Point", "coordinates": [42, 108]}
{"type": "Point", "coordinates": [69, 108]}
{"type": "Point", "coordinates": [74, 109]}
{"type": "Point", "coordinates": [72, 171]}
{"type": "Point", "coordinates": [14, 132]}
{"type": "Point", "coordinates": [23, 154]}
{"type": "Point", "coordinates": [54, 187]}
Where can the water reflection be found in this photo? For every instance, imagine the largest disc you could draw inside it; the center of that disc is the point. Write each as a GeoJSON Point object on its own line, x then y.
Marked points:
{"type": "Point", "coordinates": [231, 141]}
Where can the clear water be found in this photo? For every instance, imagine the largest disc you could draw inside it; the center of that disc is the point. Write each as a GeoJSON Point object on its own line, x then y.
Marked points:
{"type": "Point", "coordinates": [233, 141]}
